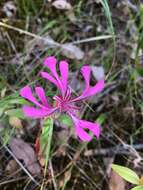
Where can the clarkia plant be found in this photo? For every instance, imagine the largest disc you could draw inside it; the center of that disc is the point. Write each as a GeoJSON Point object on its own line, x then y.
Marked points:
{"type": "Point", "coordinates": [64, 102]}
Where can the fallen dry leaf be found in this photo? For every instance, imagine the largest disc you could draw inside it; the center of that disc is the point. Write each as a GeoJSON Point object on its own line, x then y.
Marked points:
{"type": "Point", "coordinates": [9, 9]}
{"type": "Point", "coordinates": [25, 152]}
{"type": "Point", "coordinates": [62, 5]}
{"type": "Point", "coordinates": [98, 72]}
{"type": "Point", "coordinates": [34, 47]}
{"type": "Point", "coordinates": [72, 51]}
{"type": "Point", "coordinates": [116, 182]}
{"type": "Point", "coordinates": [11, 167]}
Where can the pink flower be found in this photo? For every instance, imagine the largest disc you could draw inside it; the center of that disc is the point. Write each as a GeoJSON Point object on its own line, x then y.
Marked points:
{"type": "Point", "coordinates": [64, 101]}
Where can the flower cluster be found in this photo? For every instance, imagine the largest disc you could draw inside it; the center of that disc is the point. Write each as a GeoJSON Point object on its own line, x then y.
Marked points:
{"type": "Point", "coordinates": [64, 100]}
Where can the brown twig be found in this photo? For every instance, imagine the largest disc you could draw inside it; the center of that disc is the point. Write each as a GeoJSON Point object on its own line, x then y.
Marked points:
{"type": "Point", "coordinates": [113, 150]}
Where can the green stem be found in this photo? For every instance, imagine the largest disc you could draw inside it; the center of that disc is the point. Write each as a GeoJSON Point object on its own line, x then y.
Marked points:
{"type": "Point", "coordinates": [45, 142]}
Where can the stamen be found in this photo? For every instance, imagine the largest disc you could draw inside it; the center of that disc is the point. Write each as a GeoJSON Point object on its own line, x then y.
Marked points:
{"type": "Point", "coordinates": [68, 94]}
{"type": "Point", "coordinates": [57, 98]}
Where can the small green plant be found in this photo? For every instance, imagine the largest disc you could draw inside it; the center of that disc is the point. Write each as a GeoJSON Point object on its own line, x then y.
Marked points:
{"type": "Point", "coordinates": [129, 175]}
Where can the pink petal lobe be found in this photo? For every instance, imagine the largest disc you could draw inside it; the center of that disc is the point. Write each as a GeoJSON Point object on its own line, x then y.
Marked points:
{"type": "Point", "coordinates": [51, 62]}
{"type": "Point", "coordinates": [36, 113]}
{"type": "Point", "coordinates": [64, 74]}
{"type": "Point", "coordinates": [85, 70]}
{"type": "Point", "coordinates": [97, 88]}
{"type": "Point", "coordinates": [41, 95]}
{"type": "Point", "coordinates": [26, 93]}
{"type": "Point", "coordinates": [93, 127]}
{"type": "Point", "coordinates": [80, 125]}
{"type": "Point", "coordinates": [94, 89]}
{"type": "Point", "coordinates": [91, 91]}
{"type": "Point", "coordinates": [84, 136]}
{"type": "Point", "coordinates": [49, 78]}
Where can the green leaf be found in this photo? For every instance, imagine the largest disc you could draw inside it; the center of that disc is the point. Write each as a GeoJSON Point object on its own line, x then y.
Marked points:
{"type": "Point", "coordinates": [15, 113]}
{"type": "Point", "coordinates": [14, 99]}
{"type": "Point", "coordinates": [126, 173]}
{"type": "Point", "coordinates": [140, 187]}
{"type": "Point", "coordinates": [46, 137]}
{"type": "Point", "coordinates": [6, 135]}
{"type": "Point", "coordinates": [101, 119]}
{"type": "Point", "coordinates": [65, 120]}
{"type": "Point", "coordinates": [139, 69]}
{"type": "Point", "coordinates": [2, 109]}
{"type": "Point", "coordinates": [9, 102]}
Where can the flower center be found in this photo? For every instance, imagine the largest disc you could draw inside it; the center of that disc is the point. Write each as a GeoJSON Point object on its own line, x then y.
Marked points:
{"type": "Point", "coordinates": [64, 104]}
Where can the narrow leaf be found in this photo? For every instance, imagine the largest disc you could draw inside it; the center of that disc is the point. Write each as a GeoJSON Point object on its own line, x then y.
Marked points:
{"type": "Point", "coordinates": [46, 138]}
{"type": "Point", "coordinates": [65, 120]}
{"type": "Point", "coordinates": [140, 187]}
{"type": "Point", "coordinates": [128, 174]}
{"type": "Point", "coordinates": [15, 113]}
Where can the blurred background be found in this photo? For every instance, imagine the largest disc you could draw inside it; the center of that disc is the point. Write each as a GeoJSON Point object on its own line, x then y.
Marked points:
{"type": "Point", "coordinates": [108, 36]}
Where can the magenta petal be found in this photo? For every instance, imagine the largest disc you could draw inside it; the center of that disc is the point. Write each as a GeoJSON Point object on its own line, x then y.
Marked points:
{"type": "Point", "coordinates": [85, 70]}
{"type": "Point", "coordinates": [93, 127]}
{"type": "Point", "coordinates": [91, 91]}
{"type": "Point", "coordinates": [41, 95]}
{"type": "Point", "coordinates": [49, 78]}
{"type": "Point", "coordinates": [64, 74]}
{"type": "Point", "coordinates": [26, 93]}
{"type": "Point", "coordinates": [95, 89]}
{"type": "Point", "coordinates": [51, 62]}
{"type": "Point", "coordinates": [36, 113]}
{"type": "Point", "coordinates": [84, 136]}
{"type": "Point", "coordinates": [80, 125]}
